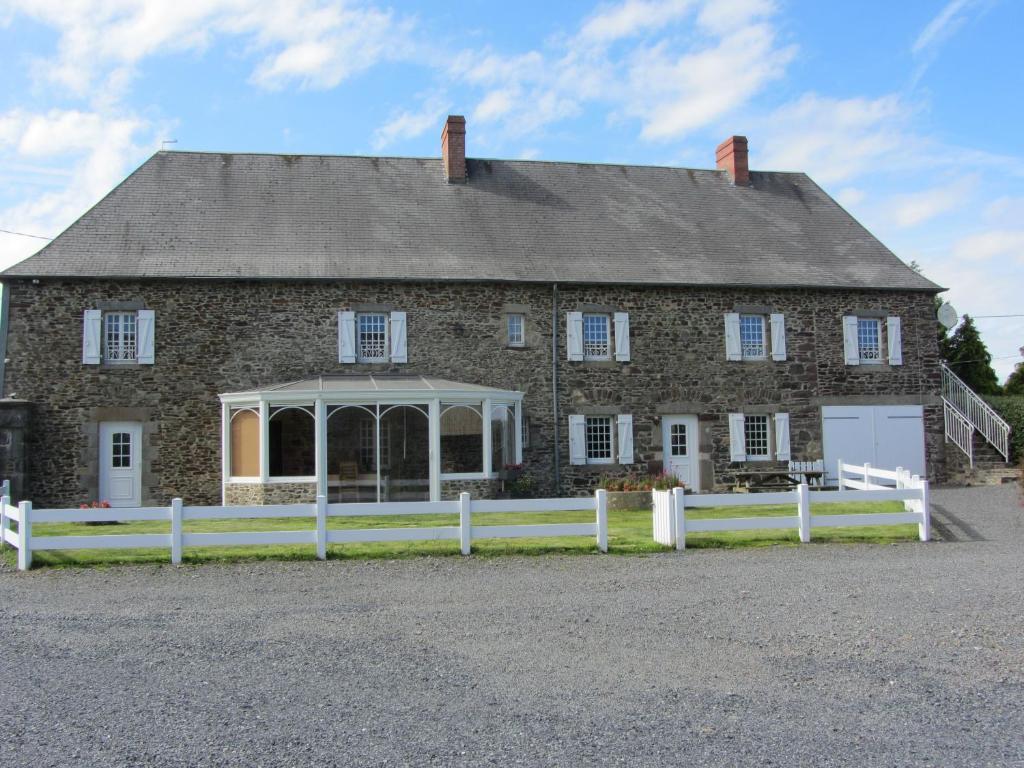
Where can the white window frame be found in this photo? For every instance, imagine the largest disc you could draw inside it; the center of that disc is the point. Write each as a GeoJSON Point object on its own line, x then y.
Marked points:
{"type": "Point", "coordinates": [612, 427]}
{"type": "Point", "coordinates": [122, 314]}
{"type": "Point", "coordinates": [607, 354]}
{"type": "Point", "coordinates": [360, 357]}
{"type": "Point", "coordinates": [769, 437]}
{"type": "Point", "coordinates": [763, 319]}
{"type": "Point", "coordinates": [877, 322]}
{"type": "Point", "coordinates": [515, 337]}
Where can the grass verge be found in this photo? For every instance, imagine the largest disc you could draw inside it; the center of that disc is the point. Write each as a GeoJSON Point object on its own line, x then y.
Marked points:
{"type": "Point", "coordinates": [629, 532]}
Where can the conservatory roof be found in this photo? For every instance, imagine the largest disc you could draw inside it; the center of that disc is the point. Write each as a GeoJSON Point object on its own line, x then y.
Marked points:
{"type": "Point", "coordinates": [371, 387]}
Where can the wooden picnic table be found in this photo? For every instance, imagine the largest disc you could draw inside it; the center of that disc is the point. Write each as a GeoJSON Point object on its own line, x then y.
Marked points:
{"type": "Point", "coordinates": [775, 479]}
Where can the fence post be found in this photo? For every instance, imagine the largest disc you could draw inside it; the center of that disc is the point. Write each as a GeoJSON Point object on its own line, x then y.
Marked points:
{"type": "Point", "coordinates": [839, 475]}
{"type": "Point", "coordinates": [924, 528]}
{"type": "Point", "coordinates": [601, 503]}
{"type": "Point", "coordinates": [4, 501]}
{"type": "Point", "coordinates": [867, 477]}
{"type": "Point", "coordinates": [803, 512]}
{"type": "Point", "coordinates": [25, 535]}
{"type": "Point", "coordinates": [465, 523]}
{"type": "Point", "coordinates": [176, 531]}
{"type": "Point", "coordinates": [321, 527]}
{"type": "Point", "coordinates": [679, 518]}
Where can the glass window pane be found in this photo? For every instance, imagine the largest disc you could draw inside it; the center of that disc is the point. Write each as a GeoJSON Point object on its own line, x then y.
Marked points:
{"type": "Point", "coordinates": [869, 338]}
{"type": "Point", "coordinates": [119, 336]}
{"type": "Point", "coordinates": [373, 336]}
{"type": "Point", "coordinates": [678, 440]}
{"type": "Point", "coordinates": [599, 438]}
{"type": "Point", "coordinates": [756, 428]}
{"type": "Point", "coordinates": [462, 439]}
{"type": "Point", "coordinates": [752, 340]}
{"type": "Point", "coordinates": [292, 442]}
{"type": "Point", "coordinates": [503, 448]}
{"type": "Point", "coordinates": [515, 331]}
{"type": "Point", "coordinates": [596, 344]}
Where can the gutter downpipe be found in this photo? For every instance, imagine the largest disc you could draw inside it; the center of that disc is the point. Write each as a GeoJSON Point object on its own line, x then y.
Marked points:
{"type": "Point", "coordinates": [554, 379]}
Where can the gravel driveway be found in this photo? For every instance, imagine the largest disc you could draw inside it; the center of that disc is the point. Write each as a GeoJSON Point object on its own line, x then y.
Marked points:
{"type": "Point", "coordinates": [860, 655]}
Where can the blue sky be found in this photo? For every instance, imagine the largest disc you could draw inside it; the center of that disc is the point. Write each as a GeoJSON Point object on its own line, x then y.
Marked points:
{"type": "Point", "coordinates": [908, 113]}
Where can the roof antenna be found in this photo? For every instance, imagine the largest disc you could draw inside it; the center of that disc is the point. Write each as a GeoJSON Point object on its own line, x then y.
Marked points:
{"type": "Point", "coordinates": [165, 142]}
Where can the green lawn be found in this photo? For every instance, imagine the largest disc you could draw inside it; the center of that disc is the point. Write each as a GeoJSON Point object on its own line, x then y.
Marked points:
{"type": "Point", "coordinates": [629, 532]}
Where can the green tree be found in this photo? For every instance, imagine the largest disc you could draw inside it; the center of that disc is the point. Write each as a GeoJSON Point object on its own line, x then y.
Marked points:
{"type": "Point", "coordinates": [1015, 384]}
{"type": "Point", "coordinates": [969, 358]}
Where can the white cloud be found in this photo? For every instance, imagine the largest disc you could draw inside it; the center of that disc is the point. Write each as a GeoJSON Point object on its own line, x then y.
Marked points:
{"type": "Point", "coordinates": [848, 197]}
{"type": "Point", "coordinates": [410, 124]}
{"type": "Point", "coordinates": [834, 140]}
{"type": "Point", "coordinates": [943, 26]}
{"type": "Point", "coordinates": [916, 208]}
{"type": "Point", "coordinates": [314, 43]}
{"type": "Point", "coordinates": [632, 17]}
{"type": "Point", "coordinates": [1002, 244]}
{"type": "Point", "coordinates": [78, 158]}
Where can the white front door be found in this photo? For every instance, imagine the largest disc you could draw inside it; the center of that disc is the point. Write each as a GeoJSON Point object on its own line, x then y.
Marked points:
{"type": "Point", "coordinates": [679, 439]}
{"type": "Point", "coordinates": [121, 463]}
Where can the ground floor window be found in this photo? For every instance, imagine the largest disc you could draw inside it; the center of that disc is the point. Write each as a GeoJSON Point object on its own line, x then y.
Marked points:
{"type": "Point", "coordinates": [599, 439]}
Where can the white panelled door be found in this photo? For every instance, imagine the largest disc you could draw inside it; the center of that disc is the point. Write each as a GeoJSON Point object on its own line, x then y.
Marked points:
{"type": "Point", "coordinates": [681, 457]}
{"type": "Point", "coordinates": [120, 463]}
{"type": "Point", "coordinates": [884, 436]}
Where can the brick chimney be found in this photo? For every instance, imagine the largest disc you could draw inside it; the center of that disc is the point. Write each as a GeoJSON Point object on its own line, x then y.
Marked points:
{"type": "Point", "coordinates": [453, 149]}
{"type": "Point", "coordinates": [731, 156]}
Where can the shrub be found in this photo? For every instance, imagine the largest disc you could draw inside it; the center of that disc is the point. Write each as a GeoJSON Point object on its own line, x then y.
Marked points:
{"type": "Point", "coordinates": [1011, 408]}
{"type": "Point", "coordinates": [637, 482]}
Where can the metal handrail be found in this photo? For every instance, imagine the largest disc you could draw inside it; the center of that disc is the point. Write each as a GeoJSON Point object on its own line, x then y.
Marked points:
{"type": "Point", "coordinates": [970, 406]}
{"type": "Point", "coordinates": [959, 431]}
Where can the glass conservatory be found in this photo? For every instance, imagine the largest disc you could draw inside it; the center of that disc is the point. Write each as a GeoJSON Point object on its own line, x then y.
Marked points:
{"type": "Point", "coordinates": [366, 438]}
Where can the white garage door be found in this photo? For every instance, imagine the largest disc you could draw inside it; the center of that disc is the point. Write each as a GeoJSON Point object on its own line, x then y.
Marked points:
{"type": "Point", "coordinates": [885, 436]}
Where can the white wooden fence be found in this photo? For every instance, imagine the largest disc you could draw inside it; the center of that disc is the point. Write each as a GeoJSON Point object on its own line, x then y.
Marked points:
{"type": "Point", "coordinates": [26, 542]}
{"type": "Point", "coordinates": [671, 523]}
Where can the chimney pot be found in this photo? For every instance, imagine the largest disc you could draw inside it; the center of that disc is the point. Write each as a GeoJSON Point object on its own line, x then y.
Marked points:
{"type": "Point", "coordinates": [453, 149]}
{"type": "Point", "coordinates": [731, 157]}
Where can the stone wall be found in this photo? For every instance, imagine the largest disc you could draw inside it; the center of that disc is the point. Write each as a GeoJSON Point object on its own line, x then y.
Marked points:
{"type": "Point", "coordinates": [214, 337]}
{"type": "Point", "coordinates": [252, 494]}
{"type": "Point", "coordinates": [478, 489]}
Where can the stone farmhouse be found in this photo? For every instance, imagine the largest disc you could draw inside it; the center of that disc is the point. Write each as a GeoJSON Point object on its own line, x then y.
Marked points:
{"type": "Point", "coordinates": [263, 328]}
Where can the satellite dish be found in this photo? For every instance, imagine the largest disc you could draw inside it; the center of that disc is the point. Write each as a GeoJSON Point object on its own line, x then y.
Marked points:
{"type": "Point", "coordinates": [948, 316]}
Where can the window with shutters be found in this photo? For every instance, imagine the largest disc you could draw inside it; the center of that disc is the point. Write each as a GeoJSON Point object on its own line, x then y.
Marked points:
{"type": "Point", "coordinates": [599, 440]}
{"type": "Point", "coordinates": [757, 435]}
{"type": "Point", "coordinates": [372, 337]}
{"type": "Point", "coordinates": [869, 339]}
{"type": "Point", "coordinates": [753, 338]}
{"type": "Point", "coordinates": [515, 324]}
{"type": "Point", "coordinates": [120, 337]}
{"type": "Point", "coordinates": [597, 337]}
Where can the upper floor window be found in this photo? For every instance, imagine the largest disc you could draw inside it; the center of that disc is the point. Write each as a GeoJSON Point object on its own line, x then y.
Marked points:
{"type": "Point", "coordinates": [515, 324]}
{"type": "Point", "coordinates": [753, 344]}
{"type": "Point", "coordinates": [755, 336]}
{"type": "Point", "coordinates": [870, 340]}
{"type": "Point", "coordinates": [120, 337]}
{"type": "Point", "coordinates": [373, 337]}
{"type": "Point", "coordinates": [596, 337]}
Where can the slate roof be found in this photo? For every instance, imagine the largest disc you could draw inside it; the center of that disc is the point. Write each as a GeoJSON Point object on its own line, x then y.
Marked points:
{"type": "Point", "coordinates": [211, 215]}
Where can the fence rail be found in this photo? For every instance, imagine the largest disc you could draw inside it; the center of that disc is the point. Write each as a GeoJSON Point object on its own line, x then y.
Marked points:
{"type": "Point", "coordinates": [671, 524]}
{"type": "Point", "coordinates": [177, 514]}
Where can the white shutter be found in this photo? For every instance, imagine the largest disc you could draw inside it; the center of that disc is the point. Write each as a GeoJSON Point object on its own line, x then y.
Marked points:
{"type": "Point", "coordinates": [146, 330]}
{"type": "Point", "coordinates": [625, 438]}
{"type": "Point", "coordinates": [574, 335]}
{"type": "Point", "coordinates": [850, 348]}
{"type": "Point", "coordinates": [91, 333]}
{"type": "Point", "coordinates": [895, 341]}
{"type": "Point", "coordinates": [737, 438]}
{"type": "Point", "coordinates": [782, 436]}
{"type": "Point", "coordinates": [778, 323]}
{"type": "Point", "coordinates": [399, 354]}
{"type": "Point", "coordinates": [732, 337]}
{"type": "Point", "coordinates": [577, 439]}
{"type": "Point", "coordinates": [346, 337]}
{"type": "Point", "coordinates": [622, 337]}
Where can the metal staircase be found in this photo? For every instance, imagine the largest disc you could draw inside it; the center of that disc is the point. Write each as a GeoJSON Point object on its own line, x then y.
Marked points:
{"type": "Point", "coordinates": [965, 413]}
